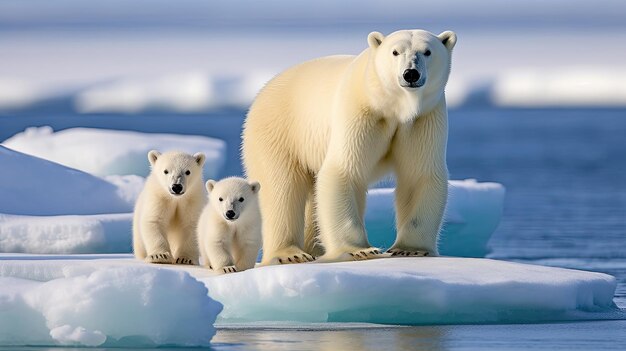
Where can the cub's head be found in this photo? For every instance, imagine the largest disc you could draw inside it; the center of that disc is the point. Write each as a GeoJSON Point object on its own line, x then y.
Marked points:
{"type": "Point", "coordinates": [231, 196]}
{"type": "Point", "coordinates": [176, 171]}
{"type": "Point", "coordinates": [413, 62]}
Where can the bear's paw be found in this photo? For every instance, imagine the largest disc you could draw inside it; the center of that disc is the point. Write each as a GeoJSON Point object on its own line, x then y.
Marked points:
{"type": "Point", "coordinates": [407, 253]}
{"type": "Point", "coordinates": [162, 257]}
{"type": "Point", "coordinates": [228, 269]}
{"type": "Point", "coordinates": [288, 255]}
{"type": "Point", "coordinates": [367, 254]}
{"type": "Point", "coordinates": [184, 260]}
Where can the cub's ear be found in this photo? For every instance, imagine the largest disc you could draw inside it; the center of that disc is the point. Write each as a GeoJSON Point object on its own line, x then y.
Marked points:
{"type": "Point", "coordinates": [448, 39]}
{"type": "Point", "coordinates": [255, 186]}
{"type": "Point", "coordinates": [374, 39]}
{"type": "Point", "coordinates": [210, 185]}
{"type": "Point", "coordinates": [153, 155]}
{"type": "Point", "coordinates": [200, 158]}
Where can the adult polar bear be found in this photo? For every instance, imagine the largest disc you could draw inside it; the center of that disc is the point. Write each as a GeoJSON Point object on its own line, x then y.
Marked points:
{"type": "Point", "coordinates": [319, 133]}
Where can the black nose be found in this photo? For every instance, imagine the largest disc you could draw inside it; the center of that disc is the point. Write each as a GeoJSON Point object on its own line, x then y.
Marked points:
{"type": "Point", "coordinates": [230, 214]}
{"type": "Point", "coordinates": [411, 75]}
{"type": "Point", "coordinates": [177, 188]}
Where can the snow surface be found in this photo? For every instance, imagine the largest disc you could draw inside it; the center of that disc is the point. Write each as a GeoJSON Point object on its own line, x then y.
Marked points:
{"type": "Point", "coordinates": [101, 303]}
{"type": "Point", "coordinates": [33, 186]}
{"type": "Point", "coordinates": [115, 300]}
{"type": "Point", "coordinates": [473, 213]}
{"type": "Point", "coordinates": [436, 290]}
{"type": "Point", "coordinates": [105, 152]}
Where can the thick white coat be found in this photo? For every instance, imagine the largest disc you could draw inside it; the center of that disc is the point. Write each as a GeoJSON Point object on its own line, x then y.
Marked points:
{"type": "Point", "coordinates": [164, 224]}
{"type": "Point", "coordinates": [319, 133]}
{"type": "Point", "coordinates": [230, 244]}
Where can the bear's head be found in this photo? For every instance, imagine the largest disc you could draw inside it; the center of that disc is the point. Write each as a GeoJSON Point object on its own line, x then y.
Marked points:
{"type": "Point", "coordinates": [413, 64]}
{"type": "Point", "coordinates": [231, 196]}
{"type": "Point", "coordinates": [175, 171]}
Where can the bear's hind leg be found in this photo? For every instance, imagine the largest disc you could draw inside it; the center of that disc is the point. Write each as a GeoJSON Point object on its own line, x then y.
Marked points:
{"type": "Point", "coordinates": [282, 201]}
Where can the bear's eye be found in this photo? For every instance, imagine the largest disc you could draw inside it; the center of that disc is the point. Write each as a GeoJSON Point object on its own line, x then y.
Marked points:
{"type": "Point", "coordinates": [188, 173]}
{"type": "Point", "coordinates": [165, 171]}
{"type": "Point", "coordinates": [395, 53]}
{"type": "Point", "coordinates": [241, 199]}
{"type": "Point", "coordinates": [221, 199]}
{"type": "Point", "coordinates": [427, 53]}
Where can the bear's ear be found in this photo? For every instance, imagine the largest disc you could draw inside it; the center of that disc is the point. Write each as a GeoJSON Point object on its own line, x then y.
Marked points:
{"type": "Point", "coordinates": [448, 39]}
{"type": "Point", "coordinates": [255, 186]}
{"type": "Point", "coordinates": [199, 156]}
{"type": "Point", "coordinates": [153, 155]}
{"type": "Point", "coordinates": [210, 185]}
{"type": "Point", "coordinates": [374, 39]}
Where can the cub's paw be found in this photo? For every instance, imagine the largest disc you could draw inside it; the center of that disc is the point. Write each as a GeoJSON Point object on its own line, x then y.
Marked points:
{"type": "Point", "coordinates": [288, 256]}
{"type": "Point", "coordinates": [184, 260]}
{"type": "Point", "coordinates": [408, 253]}
{"type": "Point", "coordinates": [163, 257]}
{"type": "Point", "coordinates": [227, 269]}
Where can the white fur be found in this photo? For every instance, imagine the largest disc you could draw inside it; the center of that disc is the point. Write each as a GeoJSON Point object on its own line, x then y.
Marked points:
{"type": "Point", "coordinates": [164, 224]}
{"type": "Point", "coordinates": [319, 133]}
{"type": "Point", "coordinates": [229, 245]}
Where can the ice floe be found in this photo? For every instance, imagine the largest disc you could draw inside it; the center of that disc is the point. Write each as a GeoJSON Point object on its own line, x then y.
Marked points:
{"type": "Point", "coordinates": [438, 290]}
{"type": "Point", "coordinates": [473, 213]}
{"type": "Point", "coordinates": [115, 300]}
{"type": "Point", "coordinates": [105, 152]}
{"type": "Point", "coordinates": [34, 186]}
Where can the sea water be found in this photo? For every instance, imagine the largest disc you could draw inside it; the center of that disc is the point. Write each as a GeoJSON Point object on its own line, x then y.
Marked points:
{"type": "Point", "coordinates": [564, 170]}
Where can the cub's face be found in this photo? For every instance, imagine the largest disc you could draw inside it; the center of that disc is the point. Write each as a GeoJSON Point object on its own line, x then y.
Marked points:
{"type": "Point", "coordinates": [414, 62]}
{"type": "Point", "coordinates": [231, 196]}
{"type": "Point", "coordinates": [175, 171]}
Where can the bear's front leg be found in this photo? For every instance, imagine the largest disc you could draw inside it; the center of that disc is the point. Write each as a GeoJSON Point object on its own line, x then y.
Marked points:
{"type": "Point", "coordinates": [420, 205]}
{"type": "Point", "coordinates": [341, 203]}
{"type": "Point", "coordinates": [219, 256]}
{"type": "Point", "coordinates": [184, 246]}
{"type": "Point", "coordinates": [155, 242]}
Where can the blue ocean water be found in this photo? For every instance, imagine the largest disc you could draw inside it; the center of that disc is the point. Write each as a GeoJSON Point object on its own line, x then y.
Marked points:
{"type": "Point", "coordinates": [564, 170]}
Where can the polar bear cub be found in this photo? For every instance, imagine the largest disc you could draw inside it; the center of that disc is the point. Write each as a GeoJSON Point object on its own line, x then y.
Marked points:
{"type": "Point", "coordinates": [168, 207]}
{"type": "Point", "coordinates": [229, 229]}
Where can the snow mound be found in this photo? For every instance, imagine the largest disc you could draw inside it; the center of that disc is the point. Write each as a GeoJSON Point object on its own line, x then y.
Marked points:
{"type": "Point", "coordinates": [570, 86]}
{"type": "Point", "coordinates": [106, 233]}
{"type": "Point", "coordinates": [30, 185]}
{"type": "Point", "coordinates": [83, 303]}
{"type": "Point", "coordinates": [105, 152]}
{"type": "Point", "coordinates": [434, 290]}
{"type": "Point", "coordinates": [472, 215]}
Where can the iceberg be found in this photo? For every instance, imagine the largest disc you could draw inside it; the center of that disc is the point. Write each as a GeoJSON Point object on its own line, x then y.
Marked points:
{"type": "Point", "coordinates": [105, 152]}
{"type": "Point", "coordinates": [33, 186]}
{"type": "Point", "coordinates": [64, 301]}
